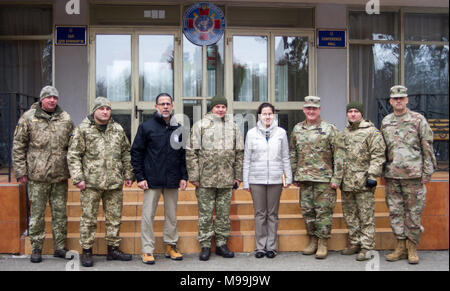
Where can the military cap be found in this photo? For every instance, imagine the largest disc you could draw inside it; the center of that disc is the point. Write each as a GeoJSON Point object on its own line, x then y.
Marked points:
{"type": "Point", "coordinates": [219, 99]}
{"type": "Point", "coordinates": [312, 101]}
{"type": "Point", "coordinates": [48, 91]}
{"type": "Point", "coordinates": [355, 105]}
{"type": "Point", "coordinates": [399, 91]}
{"type": "Point", "coordinates": [100, 102]}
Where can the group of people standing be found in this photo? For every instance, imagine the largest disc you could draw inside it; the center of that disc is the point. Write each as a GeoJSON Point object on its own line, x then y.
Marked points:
{"type": "Point", "coordinates": [319, 159]}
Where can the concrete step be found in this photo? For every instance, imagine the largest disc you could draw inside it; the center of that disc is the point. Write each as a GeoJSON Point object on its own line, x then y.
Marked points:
{"type": "Point", "coordinates": [239, 241]}
{"type": "Point", "coordinates": [239, 207]}
{"type": "Point", "coordinates": [137, 195]}
{"type": "Point", "coordinates": [238, 223]}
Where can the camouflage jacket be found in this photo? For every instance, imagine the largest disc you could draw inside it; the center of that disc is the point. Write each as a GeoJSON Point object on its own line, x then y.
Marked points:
{"type": "Point", "coordinates": [40, 145]}
{"type": "Point", "coordinates": [215, 154]}
{"type": "Point", "coordinates": [100, 158]}
{"type": "Point", "coordinates": [363, 154]}
{"type": "Point", "coordinates": [409, 142]}
{"type": "Point", "coordinates": [312, 150]}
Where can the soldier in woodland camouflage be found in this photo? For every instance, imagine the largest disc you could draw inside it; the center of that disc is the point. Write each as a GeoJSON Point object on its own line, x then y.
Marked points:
{"type": "Point", "coordinates": [318, 172]}
{"type": "Point", "coordinates": [39, 159]}
{"type": "Point", "coordinates": [214, 162]}
{"type": "Point", "coordinates": [99, 163]}
{"type": "Point", "coordinates": [363, 151]}
{"type": "Point", "coordinates": [409, 166]}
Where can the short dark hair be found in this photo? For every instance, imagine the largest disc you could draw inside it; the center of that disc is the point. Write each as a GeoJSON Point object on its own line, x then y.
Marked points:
{"type": "Point", "coordinates": [264, 105]}
{"type": "Point", "coordinates": [164, 95]}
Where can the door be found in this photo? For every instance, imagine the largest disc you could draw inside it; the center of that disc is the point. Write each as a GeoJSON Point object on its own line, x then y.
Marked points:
{"type": "Point", "coordinates": [131, 67]}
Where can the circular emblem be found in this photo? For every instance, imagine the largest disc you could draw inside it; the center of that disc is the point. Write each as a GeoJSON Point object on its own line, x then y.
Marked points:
{"type": "Point", "coordinates": [203, 23]}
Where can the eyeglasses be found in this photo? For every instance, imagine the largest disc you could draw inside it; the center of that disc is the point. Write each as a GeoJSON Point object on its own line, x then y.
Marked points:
{"type": "Point", "coordinates": [164, 104]}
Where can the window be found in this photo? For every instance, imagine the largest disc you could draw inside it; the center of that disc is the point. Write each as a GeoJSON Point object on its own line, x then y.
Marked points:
{"type": "Point", "coordinates": [385, 51]}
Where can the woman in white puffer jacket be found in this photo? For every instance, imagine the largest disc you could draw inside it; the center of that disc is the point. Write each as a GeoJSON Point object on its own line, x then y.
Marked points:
{"type": "Point", "coordinates": [266, 159]}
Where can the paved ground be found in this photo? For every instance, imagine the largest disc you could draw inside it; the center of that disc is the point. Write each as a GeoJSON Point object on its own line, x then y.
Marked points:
{"type": "Point", "coordinates": [285, 261]}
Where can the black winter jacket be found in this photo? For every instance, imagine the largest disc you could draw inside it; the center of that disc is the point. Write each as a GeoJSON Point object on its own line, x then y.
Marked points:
{"type": "Point", "coordinates": [154, 158]}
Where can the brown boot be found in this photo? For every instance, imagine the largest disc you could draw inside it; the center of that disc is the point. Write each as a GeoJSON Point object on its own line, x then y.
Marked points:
{"type": "Point", "coordinates": [351, 250]}
{"type": "Point", "coordinates": [322, 249]}
{"type": "Point", "coordinates": [413, 257]}
{"type": "Point", "coordinates": [312, 246]}
{"type": "Point", "coordinates": [400, 252]}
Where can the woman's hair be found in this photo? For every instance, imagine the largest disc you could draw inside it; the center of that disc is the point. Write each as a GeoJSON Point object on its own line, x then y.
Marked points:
{"type": "Point", "coordinates": [264, 105]}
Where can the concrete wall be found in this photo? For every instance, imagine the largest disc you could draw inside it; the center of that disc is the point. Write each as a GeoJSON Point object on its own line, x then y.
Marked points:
{"type": "Point", "coordinates": [332, 67]}
{"type": "Point", "coordinates": [71, 65]}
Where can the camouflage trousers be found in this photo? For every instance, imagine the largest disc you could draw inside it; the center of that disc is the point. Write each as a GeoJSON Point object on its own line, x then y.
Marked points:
{"type": "Point", "coordinates": [359, 215]}
{"type": "Point", "coordinates": [207, 199]}
{"type": "Point", "coordinates": [406, 201]}
{"type": "Point", "coordinates": [39, 193]}
{"type": "Point", "coordinates": [112, 201]}
{"type": "Point", "coordinates": [317, 201]}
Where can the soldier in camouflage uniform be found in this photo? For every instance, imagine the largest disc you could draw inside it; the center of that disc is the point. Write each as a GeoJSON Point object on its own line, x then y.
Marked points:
{"type": "Point", "coordinates": [99, 163]}
{"type": "Point", "coordinates": [364, 155]}
{"type": "Point", "coordinates": [214, 161]}
{"type": "Point", "coordinates": [317, 172]}
{"type": "Point", "coordinates": [39, 159]}
{"type": "Point", "coordinates": [409, 166]}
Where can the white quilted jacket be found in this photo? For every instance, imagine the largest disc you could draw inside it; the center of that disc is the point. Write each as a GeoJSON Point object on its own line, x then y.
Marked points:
{"type": "Point", "coordinates": [266, 161]}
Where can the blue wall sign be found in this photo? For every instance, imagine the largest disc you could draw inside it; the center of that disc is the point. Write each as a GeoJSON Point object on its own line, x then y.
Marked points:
{"type": "Point", "coordinates": [331, 38]}
{"type": "Point", "coordinates": [203, 24]}
{"type": "Point", "coordinates": [70, 35]}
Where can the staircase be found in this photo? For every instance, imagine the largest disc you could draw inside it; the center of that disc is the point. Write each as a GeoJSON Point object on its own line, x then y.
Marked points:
{"type": "Point", "coordinates": [291, 228]}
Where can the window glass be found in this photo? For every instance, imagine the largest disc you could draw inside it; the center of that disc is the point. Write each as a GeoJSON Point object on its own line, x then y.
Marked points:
{"type": "Point", "coordinates": [113, 67]}
{"type": "Point", "coordinates": [291, 68]}
{"type": "Point", "coordinates": [155, 66]}
{"type": "Point", "coordinates": [383, 26]}
{"type": "Point", "coordinates": [192, 69]}
{"type": "Point", "coordinates": [426, 27]}
{"type": "Point", "coordinates": [250, 68]}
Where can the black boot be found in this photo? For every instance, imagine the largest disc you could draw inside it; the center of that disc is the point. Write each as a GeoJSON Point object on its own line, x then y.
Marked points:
{"type": "Point", "coordinates": [86, 258]}
{"type": "Point", "coordinates": [114, 253]}
{"type": "Point", "coordinates": [61, 253]}
{"type": "Point", "coordinates": [205, 253]}
{"type": "Point", "coordinates": [224, 251]}
{"type": "Point", "coordinates": [36, 256]}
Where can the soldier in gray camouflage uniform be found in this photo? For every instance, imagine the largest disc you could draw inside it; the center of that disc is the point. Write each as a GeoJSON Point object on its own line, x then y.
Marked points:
{"type": "Point", "coordinates": [99, 163]}
{"type": "Point", "coordinates": [317, 172]}
{"type": "Point", "coordinates": [364, 155]}
{"type": "Point", "coordinates": [39, 159]}
{"type": "Point", "coordinates": [410, 164]}
{"type": "Point", "coordinates": [214, 161]}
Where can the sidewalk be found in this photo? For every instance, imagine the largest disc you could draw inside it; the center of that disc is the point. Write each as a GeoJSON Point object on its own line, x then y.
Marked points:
{"type": "Point", "coordinates": [284, 261]}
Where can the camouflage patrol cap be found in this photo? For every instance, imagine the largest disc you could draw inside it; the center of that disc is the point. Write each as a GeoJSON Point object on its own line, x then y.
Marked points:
{"type": "Point", "coordinates": [312, 101]}
{"type": "Point", "coordinates": [399, 91]}
{"type": "Point", "coordinates": [48, 91]}
{"type": "Point", "coordinates": [100, 102]}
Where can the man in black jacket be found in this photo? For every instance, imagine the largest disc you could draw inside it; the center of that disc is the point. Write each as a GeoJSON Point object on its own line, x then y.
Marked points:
{"type": "Point", "coordinates": [160, 167]}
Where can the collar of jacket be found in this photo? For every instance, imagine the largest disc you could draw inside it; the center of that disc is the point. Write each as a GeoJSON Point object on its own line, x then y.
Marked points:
{"type": "Point", "coordinates": [211, 116]}
{"type": "Point", "coordinates": [92, 120]}
{"type": "Point", "coordinates": [271, 129]}
{"type": "Point", "coordinates": [172, 123]}
{"type": "Point", "coordinates": [318, 125]}
{"type": "Point", "coordinates": [40, 113]}
{"type": "Point", "coordinates": [359, 124]}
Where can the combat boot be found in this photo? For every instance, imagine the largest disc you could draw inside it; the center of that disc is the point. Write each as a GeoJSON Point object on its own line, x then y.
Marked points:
{"type": "Point", "coordinates": [322, 249]}
{"type": "Point", "coordinates": [400, 252]}
{"type": "Point", "coordinates": [86, 258]}
{"type": "Point", "coordinates": [363, 255]}
{"type": "Point", "coordinates": [413, 257]}
{"type": "Point", "coordinates": [351, 250]}
{"type": "Point", "coordinates": [36, 256]}
{"type": "Point", "coordinates": [312, 246]}
{"type": "Point", "coordinates": [114, 253]}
